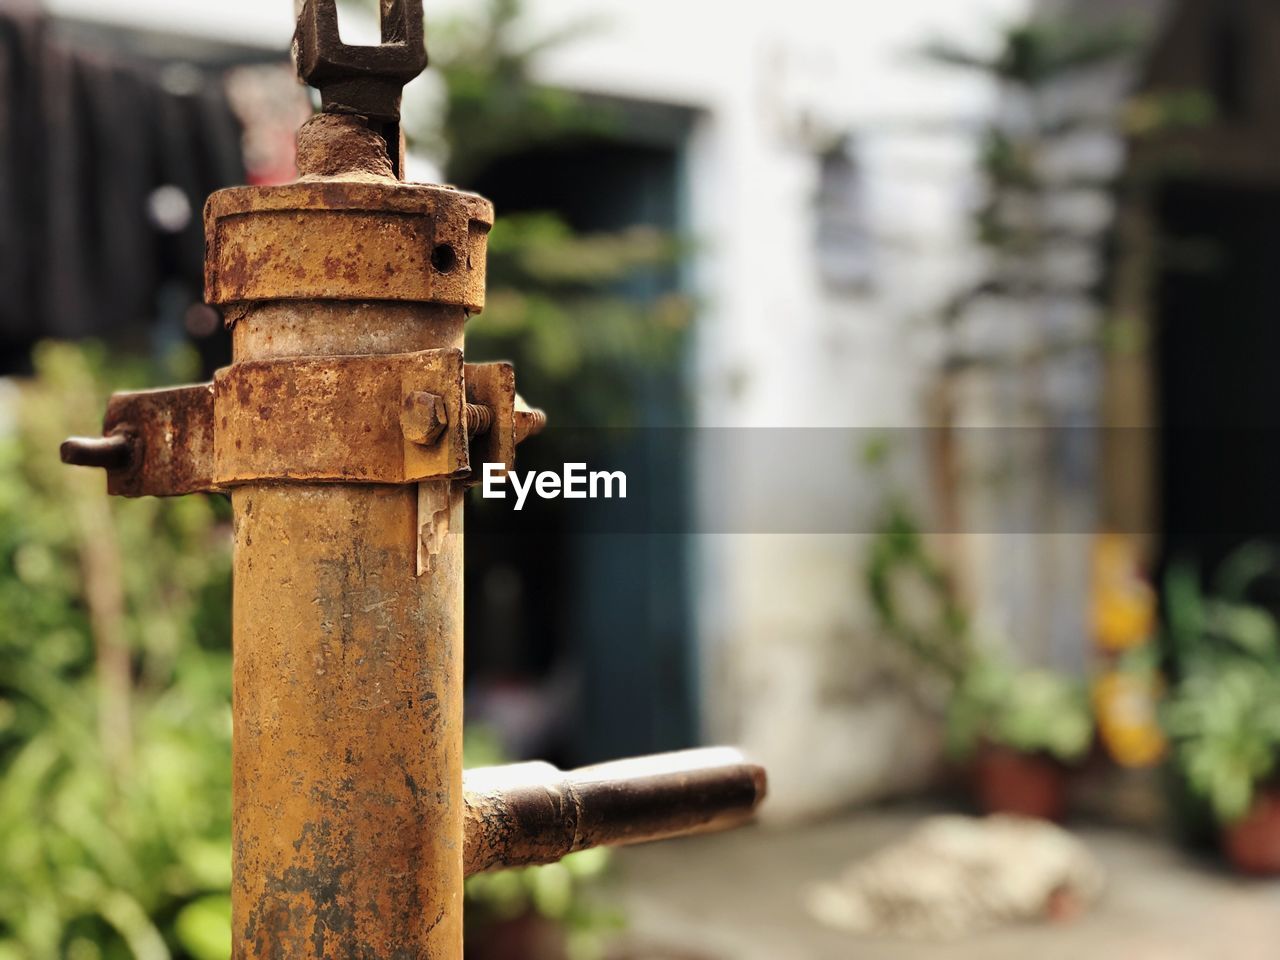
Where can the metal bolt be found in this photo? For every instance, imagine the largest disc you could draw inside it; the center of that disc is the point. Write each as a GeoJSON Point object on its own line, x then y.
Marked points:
{"type": "Point", "coordinates": [479, 419]}
{"type": "Point", "coordinates": [110, 453]}
{"type": "Point", "coordinates": [423, 418]}
{"type": "Point", "coordinates": [529, 423]}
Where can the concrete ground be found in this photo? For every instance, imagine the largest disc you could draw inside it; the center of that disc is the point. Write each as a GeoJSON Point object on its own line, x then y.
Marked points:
{"type": "Point", "coordinates": [737, 896]}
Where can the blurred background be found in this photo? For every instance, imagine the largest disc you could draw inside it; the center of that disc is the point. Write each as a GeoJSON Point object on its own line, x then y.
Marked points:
{"type": "Point", "coordinates": [935, 337]}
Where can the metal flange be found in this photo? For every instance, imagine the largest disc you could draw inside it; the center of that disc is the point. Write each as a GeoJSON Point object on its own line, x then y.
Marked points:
{"type": "Point", "coordinates": [342, 239]}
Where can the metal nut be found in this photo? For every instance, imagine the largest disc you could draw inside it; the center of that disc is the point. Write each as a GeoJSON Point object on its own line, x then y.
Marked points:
{"type": "Point", "coordinates": [423, 418]}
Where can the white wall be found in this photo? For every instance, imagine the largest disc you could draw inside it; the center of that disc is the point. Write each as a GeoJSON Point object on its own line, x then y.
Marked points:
{"type": "Point", "coordinates": [790, 668]}
{"type": "Point", "coordinates": [266, 23]}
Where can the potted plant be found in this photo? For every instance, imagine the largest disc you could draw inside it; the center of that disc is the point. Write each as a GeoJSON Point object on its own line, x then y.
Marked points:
{"type": "Point", "coordinates": [1224, 721]}
{"type": "Point", "coordinates": [1223, 711]}
{"type": "Point", "coordinates": [540, 913]}
{"type": "Point", "coordinates": [1017, 729]}
{"type": "Point", "coordinates": [1021, 730]}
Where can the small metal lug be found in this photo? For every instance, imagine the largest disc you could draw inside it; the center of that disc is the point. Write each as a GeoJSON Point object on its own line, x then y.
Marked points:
{"type": "Point", "coordinates": [423, 418]}
{"type": "Point", "coordinates": [114, 452]}
{"type": "Point", "coordinates": [529, 422]}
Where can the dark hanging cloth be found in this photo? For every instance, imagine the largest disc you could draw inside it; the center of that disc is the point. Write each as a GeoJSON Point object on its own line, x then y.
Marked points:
{"type": "Point", "coordinates": [85, 143]}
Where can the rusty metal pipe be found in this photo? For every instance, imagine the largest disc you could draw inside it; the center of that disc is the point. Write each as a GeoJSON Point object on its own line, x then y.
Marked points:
{"type": "Point", "coordinates": [347, 695]}
{"type": "Point", "coordinates": [347, 614]}
{"type": "Point", "coordinates": [533, 813]}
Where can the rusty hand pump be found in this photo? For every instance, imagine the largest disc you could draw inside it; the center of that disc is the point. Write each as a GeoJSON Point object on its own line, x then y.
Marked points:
{"type": "Point", "coordinates": [345, 432]}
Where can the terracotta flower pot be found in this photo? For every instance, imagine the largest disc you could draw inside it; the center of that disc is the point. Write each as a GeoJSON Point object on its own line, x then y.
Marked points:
{"type": "Point", "coordinates": [1027, 784]}
{"type": "Point", "coordinates": [1252, 844]}
{"type": "Point", "coordinates": [525, 937]}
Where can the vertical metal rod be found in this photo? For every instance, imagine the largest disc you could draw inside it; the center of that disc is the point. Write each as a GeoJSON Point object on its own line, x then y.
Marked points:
{"type": "Point", "coordinates": [347, 702]}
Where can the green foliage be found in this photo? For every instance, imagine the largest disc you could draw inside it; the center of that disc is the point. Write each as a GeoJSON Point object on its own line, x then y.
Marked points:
{"type": "Point", "coordinates": [555, 891]}
{"type": "Point", "coordinates": [1033, 711]}
{"type": "Point", "coordinates": [901, 568]}
{"type": "Point", "coordinates": [581, 347]}
{"type": "Point", "coordinates": [989, 700]}
{"type": "Point", "coordinates": [1223, 713]}
{"type": "Point", "coordinates": [491, 110]}
{"type": "Point", "coordinates": [1165, 111]}
{"type": "Point", "coordinates": [1225, 726]}
{"type": "Point", "coordinates": [1020, 181]}
{"type": "Point", "coordinates": [1036, 53]}
{"type": "Point", "coordinates": [570, 310]}
{"type": "Point", "coordinates": [115, 720]}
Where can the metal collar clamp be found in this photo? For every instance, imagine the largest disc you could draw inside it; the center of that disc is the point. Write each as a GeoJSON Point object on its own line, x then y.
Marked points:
{"type": "Point", "coordinates": [395, 419]}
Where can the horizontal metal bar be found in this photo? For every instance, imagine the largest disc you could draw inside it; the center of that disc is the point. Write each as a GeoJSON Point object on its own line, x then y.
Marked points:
{"type": "Point", "coordinates": [533, 813]}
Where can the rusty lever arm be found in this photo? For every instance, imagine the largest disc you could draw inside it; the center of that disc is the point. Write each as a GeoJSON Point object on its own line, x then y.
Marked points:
{"type": "Point", "coordinates": [533, 813]}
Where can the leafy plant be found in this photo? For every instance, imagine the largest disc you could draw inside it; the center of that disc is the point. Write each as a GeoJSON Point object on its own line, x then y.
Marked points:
{"type": "Point", "coordinates": [569, 308]}
{"type": "Point", "coordinates": [932, 624]}
{"type": "Point", "coordinates": [1223, 712]}
{"type": "Point", "coordinates": [1013, 223]}
{"type": "Point", "coordinates": [988, 699]}
{"type": "Point", "coordinates": [491, 108]}
{"type": "Point", "coordinates": [1032, 711]}
{"type": "Point", "coordinates": [555, 892]}
{"type": "Point", "coordinates": [1225, 726]}
{"type": "Point", "coordinates": [115, 721]}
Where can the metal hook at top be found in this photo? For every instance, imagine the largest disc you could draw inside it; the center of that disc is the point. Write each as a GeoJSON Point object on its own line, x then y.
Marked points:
{"type": "Point", "coordinates": [367, 81]}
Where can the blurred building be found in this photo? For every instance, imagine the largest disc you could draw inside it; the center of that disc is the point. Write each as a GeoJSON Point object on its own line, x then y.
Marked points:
{"type": "Point", "coordinates": [1196, 287]}
{"type": "Point", "coordinates": [823, 171]}
{"type": "Point", "coordinates": [1187, 383]}
{"type": "Point", "coordinates": [825, 174]}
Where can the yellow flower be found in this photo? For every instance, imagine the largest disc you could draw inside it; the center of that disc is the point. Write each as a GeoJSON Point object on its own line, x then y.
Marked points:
{"type": "Point", "coordinates": [1123, 614]}
{"type": "Point", "coordinates": [1126, 706]}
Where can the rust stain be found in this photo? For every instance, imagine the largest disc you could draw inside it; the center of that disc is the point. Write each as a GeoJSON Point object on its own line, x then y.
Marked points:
{"type": "Point", "coordinates": [339, 419]}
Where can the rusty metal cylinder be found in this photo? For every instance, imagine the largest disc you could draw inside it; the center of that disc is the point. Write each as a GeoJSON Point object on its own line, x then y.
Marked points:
{"type": "Point", "coordinates": [347, 699]}
{"type": "Point", "coordinates": [347, 755]}
{"type": "Point", "coordinates": [533, 813]}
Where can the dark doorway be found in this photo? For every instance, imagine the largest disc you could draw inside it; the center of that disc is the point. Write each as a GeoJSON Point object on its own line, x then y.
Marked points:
{"type": "Point", "coordinates": [585, 634]}
{"type": "Point", "coordinates": [1218, 356]}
